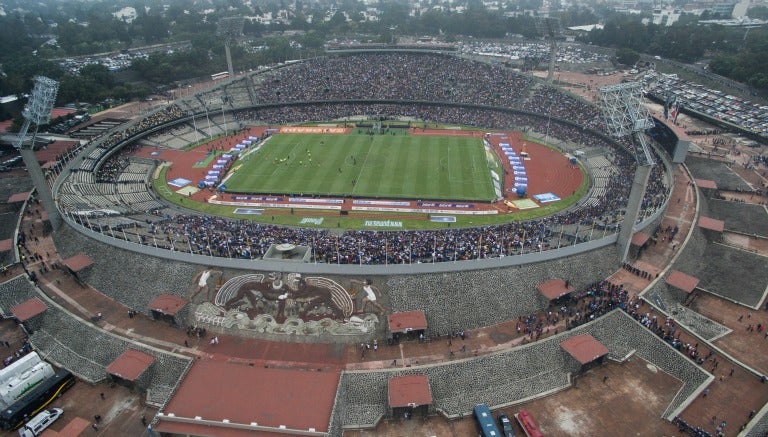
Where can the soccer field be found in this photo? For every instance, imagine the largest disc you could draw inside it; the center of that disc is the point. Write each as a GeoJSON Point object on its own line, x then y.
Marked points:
{"type": "Point", "coordinates": [387, 166]}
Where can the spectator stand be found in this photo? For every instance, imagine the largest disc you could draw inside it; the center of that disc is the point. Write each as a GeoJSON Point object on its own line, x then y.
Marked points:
{"type": "Point", "coordinates": [411, 324]}
{"type": "Point", "coordinates": [555, 290]}
{"type": "Point", "coordinates": [25, 313]}
{"type": "Point", "coordinates": [128, 368]}
{"type": "Point", "coordinates": [409, 394]}
{"type": "Point", "coordinates": [169, 308]}
{"type": "Point", "coordinates": [586, 350]}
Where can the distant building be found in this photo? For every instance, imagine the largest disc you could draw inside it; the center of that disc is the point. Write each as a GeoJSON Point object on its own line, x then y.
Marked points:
{"type": "Point", "coordinates": [666, 17]}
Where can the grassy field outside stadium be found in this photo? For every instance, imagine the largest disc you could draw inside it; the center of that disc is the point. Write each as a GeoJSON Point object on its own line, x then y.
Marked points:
{"type": "Point", "coordinates": [362, 165]}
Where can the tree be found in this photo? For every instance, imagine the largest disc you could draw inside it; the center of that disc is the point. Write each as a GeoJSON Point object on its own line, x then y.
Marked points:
{"type": "Point", "coordinates": [151, 28]}
{"type": "Point", "coordinates": [627, 56]}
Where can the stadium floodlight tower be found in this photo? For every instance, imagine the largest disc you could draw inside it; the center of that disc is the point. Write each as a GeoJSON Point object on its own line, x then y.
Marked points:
{"type": "Point", "coordinates": [230, 28]}
{"type": "Point", "coordinates": [626, 118]}
{"type": "Point", "coordinates": [37, 112]}
{"type": "Point", "coordinates": [549, 28]}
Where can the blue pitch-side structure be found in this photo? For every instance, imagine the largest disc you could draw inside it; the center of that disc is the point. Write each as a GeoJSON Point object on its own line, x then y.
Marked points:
{"type": "Point", "coordinates": [518, 169]}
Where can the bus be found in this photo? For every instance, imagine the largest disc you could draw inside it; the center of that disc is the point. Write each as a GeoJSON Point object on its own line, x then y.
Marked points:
{"type": "Point", "coordinates": [485, 423]}
{"type": "Point", "coordinates": [218, 76]}
{"type": "Point", "coordinates": [36, 400]}
{"type": "Point", "coordinates": [17, 380]}
{"type": "Point", "coordinates": [529, 426]}
{"type": "Point", "coordinates": [17, 367]}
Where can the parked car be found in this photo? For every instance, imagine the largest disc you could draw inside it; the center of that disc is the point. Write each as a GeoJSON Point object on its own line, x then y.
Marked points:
{"type": "Point", "coordinates": [506, 426]}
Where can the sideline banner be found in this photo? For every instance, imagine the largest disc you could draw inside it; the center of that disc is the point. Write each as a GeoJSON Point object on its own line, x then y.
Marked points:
{"type": "Point", "coordinates": [312, 130]}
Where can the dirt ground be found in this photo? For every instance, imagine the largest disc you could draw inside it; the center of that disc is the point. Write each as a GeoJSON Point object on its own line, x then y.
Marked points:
{"type": "Point", "coordinates": [634, 396]}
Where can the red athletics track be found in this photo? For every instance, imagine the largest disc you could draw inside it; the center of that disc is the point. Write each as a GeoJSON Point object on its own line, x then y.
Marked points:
{"type": "Point", "coordinates": [548, 170]}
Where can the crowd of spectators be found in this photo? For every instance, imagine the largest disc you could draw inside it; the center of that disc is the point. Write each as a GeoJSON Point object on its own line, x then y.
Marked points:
{"type": "Point", "coordinates": [395, 76]}
{"type": "Point", "coordinates": [168, 113]}
{"type": "Point", "coordinates": [215, 236]}
{"type": "Point", "coordinates": [405, 76]}
{"type": "Point", "coordinates": [110, 169]}
{"type": "Point", "coordinates": [165, 115]}
{"type": "Point", "coordinates": [594, 301]}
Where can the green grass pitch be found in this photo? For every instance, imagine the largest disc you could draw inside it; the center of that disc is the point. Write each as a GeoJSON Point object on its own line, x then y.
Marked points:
{"type": "Point", "coordinates": [361, 165]}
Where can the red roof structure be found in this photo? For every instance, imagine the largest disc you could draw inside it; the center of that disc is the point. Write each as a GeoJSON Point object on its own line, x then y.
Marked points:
{"type": "Point", "coordinates": [711, 224]}
{"type": "Point", "coordinates": [407, 321]}
{"type": "Point", "coordinates": [683, 281]}
{"type": "Point", "coordinates": [584, 348]}
{"type": "Point", "coordinates": [167, 304]}
{"type": "Point", "coordinates": [61, 112]}
{"type": "Point", "coordinates": [56, 148]}
{"type": "Point", "coordinates": [28, 309]}
{"type": "Point", "coordinates": [6, 245]}
{"type": "Point", "coordinates": [130, 365]}
{"type": "Point", "coordinates": [409, 391]}
{"type": "Point", "coordinates": [554, 288]}
{"type": "Point", "coordinates": [639, 238]}
{"type": "Point", "coordinates": [78, 262]}
{"type": "Point", "coordinates": [706, 183]}
{"type": "Point", "coordinates": [258, 400]}
{"type": "Point", "coordinates": [18, 197]}
{"type": "Point", "coordinates": [5, 125]}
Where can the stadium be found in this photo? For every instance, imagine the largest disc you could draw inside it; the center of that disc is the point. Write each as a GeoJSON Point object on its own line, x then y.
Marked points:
{"type": "Point", "coordinates": [332, 223]}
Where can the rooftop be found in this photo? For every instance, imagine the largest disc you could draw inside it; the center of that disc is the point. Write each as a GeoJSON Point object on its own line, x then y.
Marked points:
{"type": "Point", "coordinates": [295, 399]}
{"type": "Point", "coordinates": [130, 364]}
